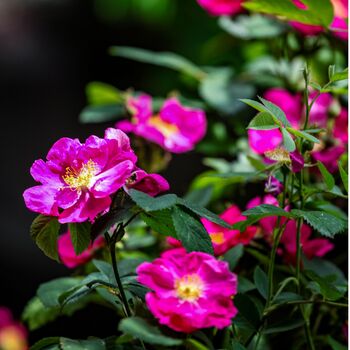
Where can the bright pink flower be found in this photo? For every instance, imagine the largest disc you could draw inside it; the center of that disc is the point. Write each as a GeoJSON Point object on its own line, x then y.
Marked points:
{"type": "Point", "coordinates": [291, 104]}
{"type": "Point", "coordinates": [329, 157]}
{"type": "Point", "coordinates": [223, 238]}
{"type": "Point", "coordinates": [152, 184]}
{"type": "Point", "coordinates": [13, 335]}
{"type": "Point", "coordinates": [261, 141]}
{"type": "Point", "coordinates": [297, 161]}
{"type": "Point", "coordinates": [311, 248]}
{"type": "Point", "coordinates": [340, 130]}
{"type": "Point", "coordinates": [78, 179]}
{"type": "Point", "coordinates": [222, 7]}
{"type": "Point", "coordinates": [67, 253]}
{"type": "Point", "coordinates": [267, 224]}
{"type": "Point", "coordinates": [176, 128]}
{"type": "Point", "coordinates": [189, 291]}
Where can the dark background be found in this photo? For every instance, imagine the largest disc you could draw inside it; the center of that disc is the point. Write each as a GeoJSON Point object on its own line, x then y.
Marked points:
{"type": "Point", "coordinates": [49, 51]}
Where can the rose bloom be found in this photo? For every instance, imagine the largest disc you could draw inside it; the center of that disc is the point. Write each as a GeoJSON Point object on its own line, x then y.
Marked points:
{"type": "Point", "coordinates": [13, 335]}
{"type": "Point", "coordinates": [222, 7]}
{"type": "Point", "coordinates": [68, 256]}
{"type": "Point", "coordinates": [78, 179]}
{"type": "Point", "coordinates": [190, 291]}
{"type": "Point", "coordinates": [175, 128]}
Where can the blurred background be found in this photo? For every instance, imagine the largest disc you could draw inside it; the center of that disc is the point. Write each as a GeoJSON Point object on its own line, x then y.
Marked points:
{"type": "Point", "coordinates": [49, 51]}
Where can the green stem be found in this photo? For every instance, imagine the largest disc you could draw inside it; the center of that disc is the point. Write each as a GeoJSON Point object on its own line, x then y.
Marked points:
{"type": "Point", "coordinates": [117, 278]}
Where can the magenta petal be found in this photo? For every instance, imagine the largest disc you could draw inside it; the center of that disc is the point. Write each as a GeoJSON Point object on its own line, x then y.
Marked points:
{"type": "Point", "coordinates": [261, 141]}
{"type": "Point", "coordinates": [66, 197]}
{"type": "Point", "coordinates": [140, 107]}
{"type": "Point", "coordinates": [222, 7]}
{"type": "Point", "coordinates": [41, 199]}
{"type": "Point", "coordinates": [317, 247]}
{"type": "Point", "coordinates": [42, 173]}
{"type": "Point", "coordinates": [297, 161]}
{"type": "Point", "coordinates": [111, 180]}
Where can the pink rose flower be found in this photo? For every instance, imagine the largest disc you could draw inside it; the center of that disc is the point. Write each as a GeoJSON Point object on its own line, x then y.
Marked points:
{"type": "Point", "coordinates": [189, 291]}
{"type": "Point", "coordinates": [222, 7]}
{"type": "Point", "coordinates": [152, 184]}
{"type": "Point", "coordinates": [224, 239]}
{"type": "Point", "coordinates": [261, 141]}
{"type": "Point", "coordinates": [13, 335]}
{"type": "Point", "coordinates": [329, 157]}
{"type": "Point", "coordinates": [273, 186]}
{"type": "Point", "coordinates": [78, 179]}
{"type": "Point", "coordinates": [176, 128]}
{"type": "Point", "coordinates": [340, 130]}
{"type": "Point", "coordinates": [68, 256]}
{"type": "Point", "coordinates": [311, 248]}
{"type": "Point", "coordinates": [320, 109]}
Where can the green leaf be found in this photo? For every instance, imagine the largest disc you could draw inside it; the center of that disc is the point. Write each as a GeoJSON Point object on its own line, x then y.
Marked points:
{"type": "Point", "coordinates": [203, 213]}
{"type": "Point", "coordinates": [327, 176]}
{"type": "Point", "coordinates": [261, 282]}
{"type": "Point", "coordinates": [276, 112]}
{"type": "Point", "coordinates": [235, 345]}
{"type": "Point", "coordinates": [164, 59]}
{"type": "Point", "coordinates": [90, 344]}
{"type": "Point", "coordinates": [324, 285]}
{"type": "Point", "coordinates": [262, 121]}
{"type": "Point", "coordinates": [244, 285]}
{"type": "Point", "coordinates": [50, 292]}
{"type": "Point", "coordinates": [317, 12]}
{"type": "Point", "coordinates": [283, 326]}
{"type": "Point", "coordinates": [339, 75]}
{"type": "Point", "coordinates": [193, 344]}
{"type": "Point", "coordinates": [140, 329]}
{"type": "Point", "coordinates": [233, 255]}
{"type": "Point", "coordinates": [254, 26]}
{"type": "Point", "coordinates": [46, 343]}
{"type": "Point", "coordinates": [149, 203]}
{"type": "Point", "coordinates": [335, 345]}
{"type": "Point", "coordinates": [344, 176]}
{"type": "Point", "coordinates": [102, 94]}
{"type": "Point", "coordinates": [80, 234]}
{"type": "Point", "coordinates": [287, 296]}
{"type": "Point", "coordinates": [327, 224]}
{"type": "Point", "coordinates": [160, 221]}
{"type": "Point", "coordinates": [222, 92]}
{"type": "Point", "coordinates": [247, 310]}
{"type": "Point", "coordinates": [256, 105]}
{"type": "Point", "coordinates": [101, 113]}
{"type": "Point", "coordinates": [44, 231]}
{"type": "Point", "coordinates": [288, 141]}
{"type": "Point", "coordinates": [191, 232]}
{"type": "Point", "coordinates": [303, 135]}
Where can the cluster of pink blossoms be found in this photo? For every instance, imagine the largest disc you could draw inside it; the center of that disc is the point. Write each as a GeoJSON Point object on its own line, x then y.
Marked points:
{"type": "Point", "coordinates": [13, 335]}
{"type": "Point", "coordinates": [172, 128]}
{"type": "Point", "coordinates": [78, 179]}
{"type": "Point", "coordinates": [262, 141]}
{"type": "Point", "coordinates": [338, 27]}
{"type": "Point", "coordinates": [223, 239]}
{"type": "Point", "coordinates": [311, 247]}
{"type": "Point", "coordinates": [190, 291]}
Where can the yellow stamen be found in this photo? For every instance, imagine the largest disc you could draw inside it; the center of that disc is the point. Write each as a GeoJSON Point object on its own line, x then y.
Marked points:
{"type": "Point", "coordinates": [165, 128]}
{"type": "Point", "coordinates": [79, 179]}
{"type": "Point", "coordinates": [217, 237]}
{"type": "Point", "coordinates": [189, 287]}
{"type": "Point", "coordinates": [279, 155]}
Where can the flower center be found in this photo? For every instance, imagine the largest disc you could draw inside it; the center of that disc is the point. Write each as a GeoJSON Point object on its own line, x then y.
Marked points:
{"type": "Point", "coordinates": [217, 237]}
{"type": "Point", "coordinates": [189, 287]}
{"type": "Point", "coordinates": [279, 155]}
{"type": "Point", "coordinates": [78, 179]}
{"type": "Point", "coordinates": [165, 128]}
